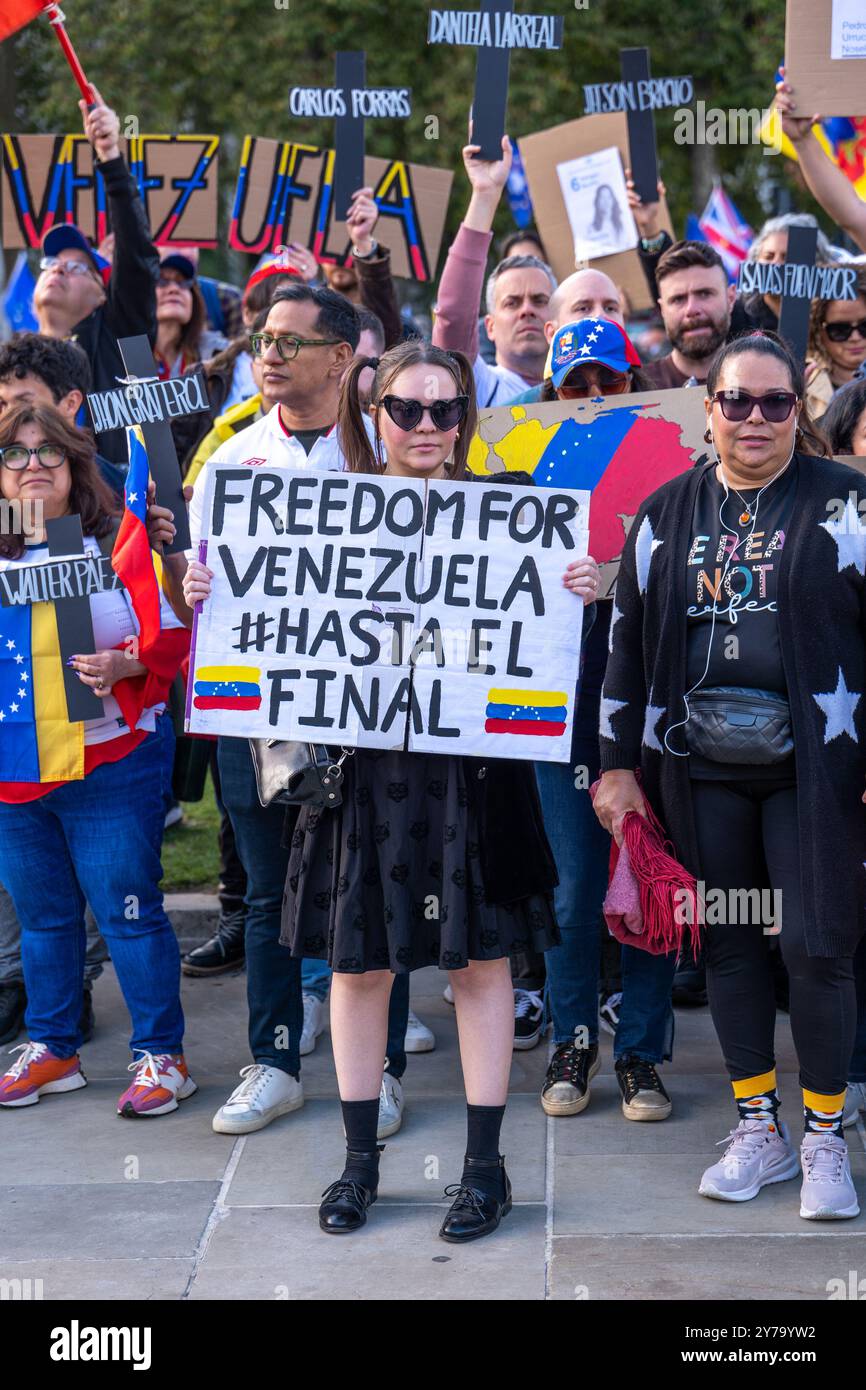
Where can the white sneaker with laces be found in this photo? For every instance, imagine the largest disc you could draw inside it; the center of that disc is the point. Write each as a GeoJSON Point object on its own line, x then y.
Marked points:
{"type": "Point", "coordinates": [855, 1101]}
{"type": "Point", "coordinates": [390, 1106]}
{"type": "Point", "coordinates": [264, 1093]}
{"type": "Point", "coordinates": [828, 1192]}
{"type": "Point", "coordinates": [419, 1038]}
{"type": "Point", "coordinates": [758, 1153]}
{"type": "Point", "coordinates": [314, 1022]}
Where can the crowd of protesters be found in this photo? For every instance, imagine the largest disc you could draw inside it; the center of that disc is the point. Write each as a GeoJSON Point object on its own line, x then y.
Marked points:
{"type": "Point", "coordinates": [319, 367]}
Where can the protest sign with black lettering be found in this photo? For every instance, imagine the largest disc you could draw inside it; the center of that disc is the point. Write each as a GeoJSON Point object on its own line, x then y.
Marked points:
{"type": "Point", "coordinates": [388, 613]}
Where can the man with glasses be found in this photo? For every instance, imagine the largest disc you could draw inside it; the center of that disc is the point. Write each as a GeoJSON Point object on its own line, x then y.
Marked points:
{"type": "Point", "coordinates": [72, 298]}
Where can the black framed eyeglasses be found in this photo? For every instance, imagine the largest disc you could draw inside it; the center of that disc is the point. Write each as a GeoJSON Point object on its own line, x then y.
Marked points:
{"type": "Point", "coordinates": [775, 406]}
{"type": "Point", "coordinates": [406, 414]}
{"type": "Point", "coordinates": [288, 345]}
{"type": "Point", "coordinates": [17, 456]}
{"type": "Point", "coordinates": [841, 332]}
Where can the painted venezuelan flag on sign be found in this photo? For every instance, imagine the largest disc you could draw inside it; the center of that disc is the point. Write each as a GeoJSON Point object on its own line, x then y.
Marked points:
{"type": "Point", "coordinates": [37, 743]}
{"type": "Point", "coordinates": [227, 687]}
{"type": "Point", "coordinates": [542, 713]}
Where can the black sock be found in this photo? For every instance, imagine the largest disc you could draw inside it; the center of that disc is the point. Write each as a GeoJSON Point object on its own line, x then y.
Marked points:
{"type": "Point", "coordinates": [483, 1124]}
{"type": "Point", "coordinates": [361, 1118]}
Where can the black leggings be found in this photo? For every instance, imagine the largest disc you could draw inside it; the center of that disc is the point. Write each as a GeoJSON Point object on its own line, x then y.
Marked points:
{"type": "Point", "coordinates": [748, 839]}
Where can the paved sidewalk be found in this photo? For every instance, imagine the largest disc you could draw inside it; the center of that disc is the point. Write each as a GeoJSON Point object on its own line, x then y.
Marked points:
{"type": "Point", "coordinates": [99, 1207]}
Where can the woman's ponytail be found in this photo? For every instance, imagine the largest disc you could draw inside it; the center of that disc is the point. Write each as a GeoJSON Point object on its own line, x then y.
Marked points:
{"type": "Point", "coordinates": [354, 439]}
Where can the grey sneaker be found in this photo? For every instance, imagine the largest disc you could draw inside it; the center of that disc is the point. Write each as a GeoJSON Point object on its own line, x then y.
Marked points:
{"type": "Point", "coordinates": [855, 1101]}
{"type": "Point", "coordinates": [828, 1191]}
{"type": "Point", "coordinates": [758, 1153]}
{"type": "Point", "coordinates": [390, 1106]}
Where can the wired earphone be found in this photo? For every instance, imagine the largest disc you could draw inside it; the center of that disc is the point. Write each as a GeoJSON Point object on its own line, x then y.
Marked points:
{"type": "Point", "coordinates": [681, 723]}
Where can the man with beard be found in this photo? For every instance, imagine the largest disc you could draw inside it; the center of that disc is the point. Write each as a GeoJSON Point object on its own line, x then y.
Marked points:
{"type": "Point", "coordinates": [696, 302]}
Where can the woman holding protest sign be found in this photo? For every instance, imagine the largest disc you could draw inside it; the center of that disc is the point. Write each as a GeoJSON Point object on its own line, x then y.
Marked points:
{"type": "Point", "coordinates": [81, 804]}
{"type": "Point", "coordinates": [418, 864]}
{"type": "Point", "coordinates": [735, 686]}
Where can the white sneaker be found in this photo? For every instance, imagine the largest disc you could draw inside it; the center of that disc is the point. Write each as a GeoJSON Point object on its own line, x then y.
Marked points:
{"type": "Point", "coordinates": [390, 1106]}
{"type": "Point", "coordinates": [758, 1153]}
{"type": "Point", "coordinates": [448, 994]}
{"type": "Point", "coordinates": [264, 1093]}
{"type": "Point", "coordinates": [855, 1101]}
{"type": "Point", "coordinates": [314, 1022]}
{"type": "Point", "coordinates": [828, 1191]}
{"type": "Point", "coordinates": [419, 1038]}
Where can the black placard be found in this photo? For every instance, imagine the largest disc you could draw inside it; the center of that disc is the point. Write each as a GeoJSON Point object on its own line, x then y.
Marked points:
{"type": "Point", "coordinates": [150, 402]}
{"type": "Point", "coordinates": [642, 148]}
{"type": "Point", "coordinates": [350, 102]}
{"type": "Point", "coordinates": [75, 578]}
{"type": "Point", "coordinates": [74, 624]}
{"type": "Point", "coordinates": [794, 315]}
{"type": "Point", "coordinates": [161, 454]}
{"type": "Point", "coordinates": [494, 30]}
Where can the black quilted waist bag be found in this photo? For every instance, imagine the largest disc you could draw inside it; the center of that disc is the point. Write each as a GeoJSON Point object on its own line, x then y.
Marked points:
{"type": "Point", "coordinates": [731, 724]}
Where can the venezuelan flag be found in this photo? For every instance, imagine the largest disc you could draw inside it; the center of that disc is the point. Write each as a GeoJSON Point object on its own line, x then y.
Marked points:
{"type": "Point", "coordinates": [37, 743]}
{"type": "Point", "coordinates": [541, 713]}
{"type": "Point", "coordinates": [227, 687]}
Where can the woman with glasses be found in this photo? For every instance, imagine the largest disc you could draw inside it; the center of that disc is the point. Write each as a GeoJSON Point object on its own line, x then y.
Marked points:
{"type": "Point", "coordinates": [415, 868]}
{"type": "Point", "coordinates": [837, 345]}
{"type": "Point", "coordinates": [736, 685]}
{"type": "Point", "coordinates": [81, 804]}
{"type": "Point", "coordinates": [182, 336]}
{"type": "Point", "coordinates": [592, 357]}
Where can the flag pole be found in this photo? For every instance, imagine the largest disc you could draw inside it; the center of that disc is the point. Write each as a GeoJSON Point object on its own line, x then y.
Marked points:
{"type": "Point", "coordinates": [56, 19]}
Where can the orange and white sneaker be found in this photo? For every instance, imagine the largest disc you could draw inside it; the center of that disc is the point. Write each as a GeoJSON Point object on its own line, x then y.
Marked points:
{"type": "Point", "coordinates": [37, 1072]}
{"type": "Point", "coordinates": [160, 1081]}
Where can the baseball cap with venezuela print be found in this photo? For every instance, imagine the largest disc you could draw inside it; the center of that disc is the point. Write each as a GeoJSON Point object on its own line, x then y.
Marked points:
{"type": "Point", "coordinates": [591, 340]}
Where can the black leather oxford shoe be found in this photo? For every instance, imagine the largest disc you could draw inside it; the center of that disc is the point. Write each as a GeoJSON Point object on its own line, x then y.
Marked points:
{"type": "Point", "coordinates": [344, 1203]}
{"type": "Point", "coordinates": [473, 1212]}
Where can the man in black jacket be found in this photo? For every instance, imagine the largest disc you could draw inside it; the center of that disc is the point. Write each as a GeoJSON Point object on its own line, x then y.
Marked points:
{"type": "Point", "coordinates": [72, 300]}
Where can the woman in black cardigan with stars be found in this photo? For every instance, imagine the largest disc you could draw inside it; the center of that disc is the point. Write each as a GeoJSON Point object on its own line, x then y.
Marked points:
{"type": "Point", "coordinates": [747, 577]}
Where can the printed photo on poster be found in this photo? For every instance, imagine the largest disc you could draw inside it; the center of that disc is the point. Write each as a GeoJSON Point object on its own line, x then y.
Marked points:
{"type": "Point", "coordinates": [593, 189]}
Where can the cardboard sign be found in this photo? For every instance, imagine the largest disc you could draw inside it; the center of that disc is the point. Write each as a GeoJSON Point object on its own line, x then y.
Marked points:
{"type": "Point", "coordinates": [494, 30]}
{"type": "Point", "coordinates": [375, 612]}
{"type": "Point", "coordinates": [75, 578]}
{"type": "Point", "coordinates": [149, 401]}
{"type": "Point", "coordinates": [285, 193]}
{"type": "Point", "coordinates": [542, 152]}
{"type": "Point", "coordinates": [349, 102]}
{"type": "Point", "coordinates": [832, 86]}
{"type": "Point", "coordinates": [74, 623]}
{"type": "Point", "coordinates": [48, 179]}
{"type": "Point", "coordinates": [618, 448]}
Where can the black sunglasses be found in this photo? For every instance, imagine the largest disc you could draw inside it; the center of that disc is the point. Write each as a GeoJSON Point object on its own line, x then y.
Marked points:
{"type": "Point", "coordinates": [609, 382]}
{"type": "Point", "coordinates": [841, 332]}
{"type": "Point", "coordinates": [775, 406]}
{"type": "Point", "coordinates": [406, 414]}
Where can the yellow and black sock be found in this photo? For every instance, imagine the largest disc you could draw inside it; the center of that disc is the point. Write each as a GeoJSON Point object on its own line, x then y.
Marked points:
{"type": "Point", "coordinates": [823, 1114]}
{"type": "Point", "coordinates": [757, 1098]}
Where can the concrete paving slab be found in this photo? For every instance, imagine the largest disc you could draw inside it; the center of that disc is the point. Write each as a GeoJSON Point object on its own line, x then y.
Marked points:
{"type": "Point", "coordinates": [763, 1268]}
{"type": "Point", "coordinates": [280, 1253]}
{"type": "Point", "coordinates": [82, 1220]}
{"type": "Point", "coordinates": [84, 1280]}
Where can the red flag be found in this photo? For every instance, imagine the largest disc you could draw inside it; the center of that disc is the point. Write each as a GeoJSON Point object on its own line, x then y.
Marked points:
{"type": "Point", "coordinates": [131, 556]}
{"type": "Point", "coordinates": [14, 14]}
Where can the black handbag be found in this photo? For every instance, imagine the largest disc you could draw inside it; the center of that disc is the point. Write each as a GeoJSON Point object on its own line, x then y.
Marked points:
{"type": "Point", "coordinates": [732, 724]}
{"type": "Point", "coordinates": [291, 773]}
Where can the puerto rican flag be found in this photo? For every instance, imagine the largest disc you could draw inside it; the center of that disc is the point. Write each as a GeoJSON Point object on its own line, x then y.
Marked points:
{"type": "Point", "coordinates": [725, 229]}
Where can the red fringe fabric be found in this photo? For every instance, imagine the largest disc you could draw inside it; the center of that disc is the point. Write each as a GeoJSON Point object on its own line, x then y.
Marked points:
{"type": "Point", "coordinates": [668, 894]}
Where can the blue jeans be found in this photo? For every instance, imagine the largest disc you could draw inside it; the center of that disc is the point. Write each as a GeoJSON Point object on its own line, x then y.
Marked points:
{"type": "Point", "coordinates": [581, 849]}
{"type": "Point", "coordinates": [99, 841]}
